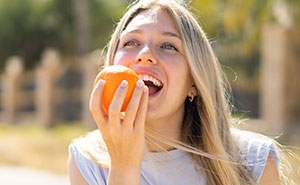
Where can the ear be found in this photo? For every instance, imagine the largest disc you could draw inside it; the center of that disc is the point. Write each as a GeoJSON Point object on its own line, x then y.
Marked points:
{"type": "Point", "coordinates": [192, 91]}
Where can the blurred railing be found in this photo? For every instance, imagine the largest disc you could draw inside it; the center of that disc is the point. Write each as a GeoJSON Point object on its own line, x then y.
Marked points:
{"type": "Point", "coordinates": [56, 91]}
{"type": "Point", "coordinates": [59, 88]}
{"type": "Point", "coordinates": [280, 77]}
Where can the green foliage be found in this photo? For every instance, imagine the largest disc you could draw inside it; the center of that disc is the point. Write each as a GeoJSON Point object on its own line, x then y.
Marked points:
{"type": "Point", "coordinates": [294, 6]}
{"type": "Point", "coordinates": [233, 23]}
{"type": "Point", "coordinates": [236, 25]}
{"type": "Point", "coordinates": [30, 26]}
{"type": "Point", "coordinates": [21, 32]}
{"type": "Point", "coordinates": [103, 16]}
{"type": "Point", "coordinates": [60, 17]}
{"type": "Point", "coordinates": [234, 28]}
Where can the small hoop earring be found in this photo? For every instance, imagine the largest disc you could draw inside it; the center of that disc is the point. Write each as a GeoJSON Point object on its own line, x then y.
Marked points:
{"type": "Point", "coordinates": [191, 99]}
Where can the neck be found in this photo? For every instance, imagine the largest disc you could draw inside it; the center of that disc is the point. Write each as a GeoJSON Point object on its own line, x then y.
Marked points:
{"type": "Point", "coordinates": [169, 127]}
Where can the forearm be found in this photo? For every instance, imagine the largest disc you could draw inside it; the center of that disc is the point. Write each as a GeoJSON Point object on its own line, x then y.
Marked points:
{"type": "Point", "coordinates": [124, 176]}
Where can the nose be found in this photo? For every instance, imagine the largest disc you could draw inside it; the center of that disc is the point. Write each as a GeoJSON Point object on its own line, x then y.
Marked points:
{"type": "Point", "coordinates": [146, 57]}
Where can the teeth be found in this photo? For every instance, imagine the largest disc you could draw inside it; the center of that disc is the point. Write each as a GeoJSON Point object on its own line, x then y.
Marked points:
{"type": "Point", "coordinates": [156, 82]}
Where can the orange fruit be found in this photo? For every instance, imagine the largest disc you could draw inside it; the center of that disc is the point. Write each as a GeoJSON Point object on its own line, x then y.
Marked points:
{"type": "Point", "coordinates": [113, 76]}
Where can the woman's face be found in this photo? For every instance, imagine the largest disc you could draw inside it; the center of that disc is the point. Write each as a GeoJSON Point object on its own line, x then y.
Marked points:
{"type": "Point", "coordinates": [151, 46]}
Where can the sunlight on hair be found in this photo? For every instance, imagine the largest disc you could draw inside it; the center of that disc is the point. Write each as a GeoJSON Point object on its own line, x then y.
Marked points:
{"type": "Point", "coordinates": [208, 125]}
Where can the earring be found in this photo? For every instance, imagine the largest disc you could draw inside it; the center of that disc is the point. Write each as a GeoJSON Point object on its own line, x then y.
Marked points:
{"type": "Point", "coordinates": [191, 99]}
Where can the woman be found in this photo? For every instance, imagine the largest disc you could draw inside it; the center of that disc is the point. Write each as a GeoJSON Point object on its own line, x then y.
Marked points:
{"type": "Point", "coordinates": [177, 132]}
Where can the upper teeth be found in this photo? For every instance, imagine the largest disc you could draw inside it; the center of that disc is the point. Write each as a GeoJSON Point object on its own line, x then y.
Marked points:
{"type": "Point", "coordinates": [155, 81]}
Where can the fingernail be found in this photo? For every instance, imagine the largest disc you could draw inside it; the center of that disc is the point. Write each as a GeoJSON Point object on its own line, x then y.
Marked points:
{"type": "Point", "coordinates": [145, 89]}
{"type": "Point", "coordinates": [139, 83]}
{"type": "Point", "coordinates": [100, 83]}
{"type": "Point", "coordinates": [124, 84]}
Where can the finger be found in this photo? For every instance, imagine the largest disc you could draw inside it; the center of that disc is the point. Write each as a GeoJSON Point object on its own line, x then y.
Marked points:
{"type": "Point", "coordinates": [116, 104]}
{"type": "Point", "coordinates": [133, 105]}
{"type": "Point", "coordinates": [95, 104]}
{"type": "Point", "coordinates": [139, 124]}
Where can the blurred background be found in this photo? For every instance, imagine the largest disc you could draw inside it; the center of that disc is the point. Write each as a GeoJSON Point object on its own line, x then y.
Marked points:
{"type": "Point", "coordinates": [50, 53]}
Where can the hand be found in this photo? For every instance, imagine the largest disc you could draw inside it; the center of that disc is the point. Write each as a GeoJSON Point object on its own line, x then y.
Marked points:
{"type": "Point", "coordinates": [124, 138]}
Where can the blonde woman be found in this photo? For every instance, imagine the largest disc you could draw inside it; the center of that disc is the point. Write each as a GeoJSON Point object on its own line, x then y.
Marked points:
{"type": "Point", "coordinates": [177, 129]}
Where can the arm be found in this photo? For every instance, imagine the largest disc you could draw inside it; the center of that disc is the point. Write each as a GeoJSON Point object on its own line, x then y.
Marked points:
{"type": "Point", "coordinates": [74, 174]}
{"type": "Point", "coordinates": [124, 138]}
{"type": "Point", "coordinates": [270, 174]}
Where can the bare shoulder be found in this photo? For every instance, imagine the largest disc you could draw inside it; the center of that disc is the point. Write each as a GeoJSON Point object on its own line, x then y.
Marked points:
{"type": "Point", "coordinates": [270, 174]}
{"type": "Point", "coordinates": [74, 173]}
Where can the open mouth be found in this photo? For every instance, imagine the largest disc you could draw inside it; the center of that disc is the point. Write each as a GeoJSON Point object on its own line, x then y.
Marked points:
{"type": "Point", "coordinates": [152, 83]}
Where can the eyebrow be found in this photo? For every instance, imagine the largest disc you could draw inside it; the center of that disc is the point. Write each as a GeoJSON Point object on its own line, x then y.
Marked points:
{"type": "Point", "coordinates": [165, 33]}
{"type": "Point", "coordinates": [171, 34]}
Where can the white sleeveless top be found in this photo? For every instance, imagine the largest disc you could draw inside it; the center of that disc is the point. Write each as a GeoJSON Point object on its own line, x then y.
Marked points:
{"type": "Point", "coordinates": [177, 167]}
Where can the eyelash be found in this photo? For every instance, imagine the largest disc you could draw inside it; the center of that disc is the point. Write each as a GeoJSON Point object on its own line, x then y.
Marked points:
{"type": "Point", "coordinates": [169, 45]}
{"type": "Point", "coordinates": [135, 43]}
{"type": "Point", "coordinates": [129, 42]}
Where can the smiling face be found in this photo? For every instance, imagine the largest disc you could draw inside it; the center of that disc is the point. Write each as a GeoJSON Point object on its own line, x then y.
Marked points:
{"type": "Point", "coordinates": [151, 46]}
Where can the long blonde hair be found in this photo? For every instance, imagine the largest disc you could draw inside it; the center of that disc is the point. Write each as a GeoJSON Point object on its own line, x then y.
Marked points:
{"type": "Point", "coordinates": [207, 121]}
{"type": "Point", "coordinates": [208, 116]}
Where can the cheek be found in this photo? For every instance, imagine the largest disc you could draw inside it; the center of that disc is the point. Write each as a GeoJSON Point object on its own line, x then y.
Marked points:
{"type": "Point", "coordinates": [123, 58]}
{"type": "Point", "coordinates": [177, 65]}
{"type": "Point", "coordinates": [179, 72]}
